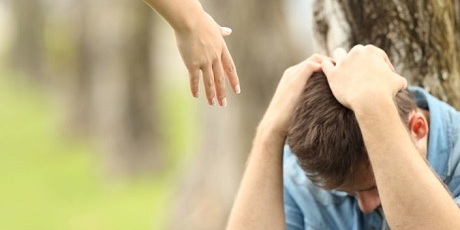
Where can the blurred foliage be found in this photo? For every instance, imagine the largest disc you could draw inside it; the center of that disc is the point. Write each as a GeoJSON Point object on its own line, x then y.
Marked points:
{"type": "Point", "coordinates": [53, 183]}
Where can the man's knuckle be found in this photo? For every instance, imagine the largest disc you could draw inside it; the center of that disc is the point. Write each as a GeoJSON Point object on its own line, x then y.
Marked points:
{"type": "Point", "coordinates": [288, 70]}
{"type": "Point", "coordinates": [315, 56]}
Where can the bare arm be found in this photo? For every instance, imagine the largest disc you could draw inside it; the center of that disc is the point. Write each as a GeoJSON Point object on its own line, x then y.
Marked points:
{"type": "Point", "coordinates": [202, 47]}
{"type": "Point", "coordinates": [259, 202]}
{"type": "Point", "coordinates": [411, 194]}
{"type": "Point", "coordinates": [180, 14]}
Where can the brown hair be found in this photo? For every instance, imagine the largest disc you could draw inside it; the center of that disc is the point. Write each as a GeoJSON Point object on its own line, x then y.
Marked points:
{"type": "Point", "coordinates": [325, 136]}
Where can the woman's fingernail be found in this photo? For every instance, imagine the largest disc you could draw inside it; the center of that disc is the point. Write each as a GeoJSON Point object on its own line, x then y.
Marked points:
{"type": "Point", "coordinates": [213, 101]}
{"type": "Point", "coordinates": [224, 102]}
{"type": "Point", "coordinates": [227, 30]}
{"type": "Point", "coordinates": [237, 89]}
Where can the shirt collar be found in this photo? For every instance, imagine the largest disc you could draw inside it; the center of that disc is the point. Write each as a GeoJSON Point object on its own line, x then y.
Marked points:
{"type": "Point", "coordinates": [440, 140]}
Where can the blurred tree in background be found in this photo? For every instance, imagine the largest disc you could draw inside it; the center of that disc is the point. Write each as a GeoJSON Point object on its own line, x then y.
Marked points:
{"type": "Point", "coordinates": [421, 38]}
{"type": "Point", "coordinates": [27, 49]}
{"type": "Point", "coordinates": [96, 55]}
{"type": "Point", "coordinates": [95, 62]}
{"type": "Point", "coordinates": [118, 63]}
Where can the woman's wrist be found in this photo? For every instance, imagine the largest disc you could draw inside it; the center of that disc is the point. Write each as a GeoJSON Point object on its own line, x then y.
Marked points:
{"type": "Point", "coordinates": [189, 21]}
{"type": "Point", "coordinates": [182, 15]}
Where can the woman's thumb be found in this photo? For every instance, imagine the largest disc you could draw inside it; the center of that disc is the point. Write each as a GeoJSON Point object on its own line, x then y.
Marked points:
{"type": "Point", "coordinates": [225, 31]}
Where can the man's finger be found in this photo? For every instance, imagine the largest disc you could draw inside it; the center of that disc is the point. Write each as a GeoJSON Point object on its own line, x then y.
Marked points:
{"type": "Point", "coordinates": [356, 48]}
{"type": "Point", "coordinates": [328, 67]}
{"type": "Point", "coordinates": [309, 67]}
{"type": "Point", "coordinates": [403, 83]}
{"type": "Point", "coordinates": [387, 60]}
{"type": "Point", "coordinates": [317, 58]}
{"type": "Point", "coordinates": [339, 54]}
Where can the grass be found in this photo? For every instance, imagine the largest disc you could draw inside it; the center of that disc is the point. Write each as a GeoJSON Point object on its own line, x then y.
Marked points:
{"type": "Point", "coordinates": [50, 184]}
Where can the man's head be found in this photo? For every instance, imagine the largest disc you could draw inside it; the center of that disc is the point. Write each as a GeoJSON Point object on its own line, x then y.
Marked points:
{"type": "Point", "coordinates": [325, 137]}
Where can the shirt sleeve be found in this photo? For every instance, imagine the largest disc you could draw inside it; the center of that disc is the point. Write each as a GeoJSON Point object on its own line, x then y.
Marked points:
{"type": "Point", "coordinates": [294, 217]}
{"type": "Point", "coordinates": [457, 200]}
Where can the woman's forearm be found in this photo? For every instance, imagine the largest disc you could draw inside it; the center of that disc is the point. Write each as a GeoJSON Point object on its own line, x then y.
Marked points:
{"type": "Point", "coordinates": [180, 14]}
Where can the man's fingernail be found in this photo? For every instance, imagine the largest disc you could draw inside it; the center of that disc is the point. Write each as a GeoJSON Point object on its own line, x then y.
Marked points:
{"type": "Point", "coordinates": [224, 102]}
{"type": "Point", "coordinates": [237, 89]}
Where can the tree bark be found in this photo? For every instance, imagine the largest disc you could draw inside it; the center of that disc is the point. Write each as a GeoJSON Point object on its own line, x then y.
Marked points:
{"type": "Point", "coordinates": [419, 37]}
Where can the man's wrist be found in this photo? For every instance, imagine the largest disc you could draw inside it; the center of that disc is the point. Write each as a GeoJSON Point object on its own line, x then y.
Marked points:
{"type": "Point", "coordinates": [372, 114]}
{"type": "Point", "coordinates": [370, 106]}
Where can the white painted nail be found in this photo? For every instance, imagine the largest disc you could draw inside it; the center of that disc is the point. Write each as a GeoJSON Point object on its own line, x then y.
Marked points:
{"type": "Point", "coordinates": [224, 102]}
{"type": "Point", "coordinates": [213, 101]}
{"type": "Point", "coordinates": [227, 30]}
{"type": "Point", "coordinates": [237, 89]}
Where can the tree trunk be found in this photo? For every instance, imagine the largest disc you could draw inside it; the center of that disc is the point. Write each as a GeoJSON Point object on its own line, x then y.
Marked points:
{"type": "Point", "coordinates": [261, 48]}
{"type": "Point", "coordinates": [419, 37]}
{"type": "Point", "coordinates": [27, 49]}
{"type": "Point", "coordinates": [118, 62]}
{"type": "Point", "coordinates": [67, 66]}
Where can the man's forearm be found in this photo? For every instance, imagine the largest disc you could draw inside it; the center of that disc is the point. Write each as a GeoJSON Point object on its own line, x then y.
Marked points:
{"type": "Point", "coordinates": [180, 14]}
{"type": "Point", "coordinates": [259, 203]}
{"type": "Point", "coordinates": [411, 194]}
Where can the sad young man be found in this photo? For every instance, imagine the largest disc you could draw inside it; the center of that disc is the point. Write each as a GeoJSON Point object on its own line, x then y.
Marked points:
{"type": "Point", "coordinates": [365, 158]}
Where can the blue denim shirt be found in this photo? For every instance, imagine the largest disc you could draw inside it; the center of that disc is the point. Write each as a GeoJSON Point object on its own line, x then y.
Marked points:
{"type": "Point", "coordinates": [309, 207]}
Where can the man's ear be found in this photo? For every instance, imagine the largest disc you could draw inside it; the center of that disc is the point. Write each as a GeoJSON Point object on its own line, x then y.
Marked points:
{"type": "Point", "coordinates": [418, 125]}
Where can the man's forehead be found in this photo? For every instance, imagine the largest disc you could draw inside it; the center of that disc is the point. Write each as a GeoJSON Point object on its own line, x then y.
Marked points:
{"type": "Point", "coordinates": [357, 188]}
{"type": "Point", "coordinates": [362, 180]}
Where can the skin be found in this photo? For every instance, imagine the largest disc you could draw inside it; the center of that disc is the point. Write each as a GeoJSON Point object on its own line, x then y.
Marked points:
{"type": "Point", "coordinates": [202, 47]}
{"type": "Point", "coordinates": [398, 167]}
